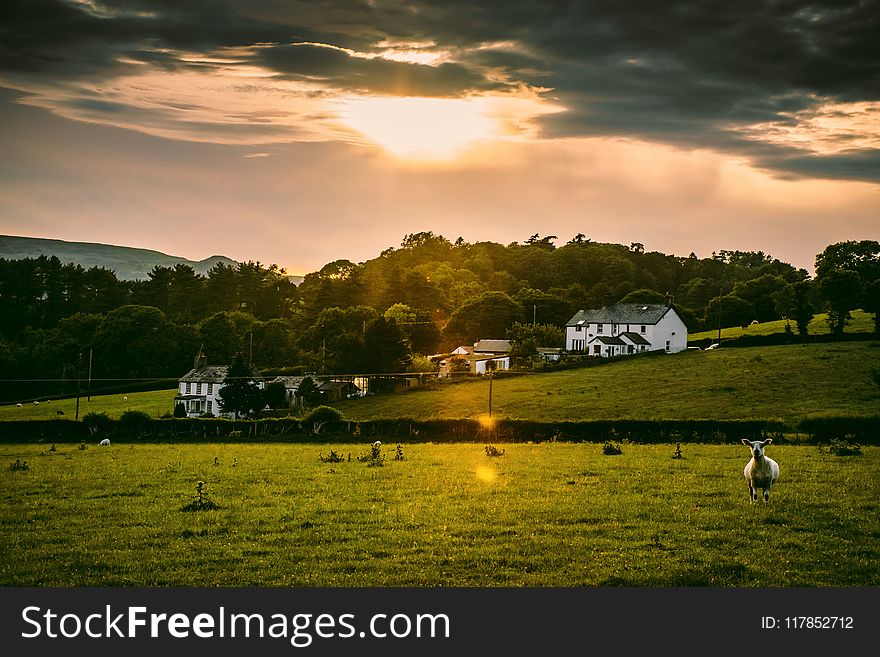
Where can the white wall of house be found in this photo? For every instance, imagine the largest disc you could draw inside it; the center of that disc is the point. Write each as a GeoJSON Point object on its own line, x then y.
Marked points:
{"type": "Point", "coordinates": [669, 334]}
{"type": "Point", "coordinates": [501, 363]}
{"type": "Point", "coordinates": [209, 397]}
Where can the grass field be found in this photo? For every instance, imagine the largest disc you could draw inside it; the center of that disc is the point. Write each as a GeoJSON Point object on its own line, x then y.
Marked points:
{"type": "Point", "coordinates": [156, 403]}
{"type": "Point", "coordinates": [862, 322]}
{"type": "Point", "coordinates": [551, 514]}
{"type": "Point", "coordinates": [788, 382]}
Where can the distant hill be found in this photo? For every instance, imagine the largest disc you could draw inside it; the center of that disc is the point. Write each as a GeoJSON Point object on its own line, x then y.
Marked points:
{"type": "Point", "coordinates": [128, 263]}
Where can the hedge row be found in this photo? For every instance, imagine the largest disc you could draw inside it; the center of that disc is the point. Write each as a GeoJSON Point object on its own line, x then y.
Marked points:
{"type": "Point", "coordinates": [865, 430]}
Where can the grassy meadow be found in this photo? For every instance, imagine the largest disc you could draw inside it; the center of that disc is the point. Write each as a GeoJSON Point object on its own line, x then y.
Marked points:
{"type": "Point", "coordinates": [862, 322]}
{"type": "Point", "coordinates": [549, 514]}
{"type": "Point", "coordinates": [788, 382]}
{"type": "Point", "coordinates": [155, 403]}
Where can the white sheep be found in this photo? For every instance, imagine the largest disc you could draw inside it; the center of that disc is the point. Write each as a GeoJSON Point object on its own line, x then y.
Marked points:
{"type": "Point", "coordinates": [36, 403]}
{"type": "Point", "coordinates": [105, 442]}
{"type": "Point", "coordinates": [377, 444]}
{"type": "Point", "coordinates": [125, 399]}
{"type": "Point", "coordinates": [761, 471]}
{"type": "Point", "coordinates": [18, 405]}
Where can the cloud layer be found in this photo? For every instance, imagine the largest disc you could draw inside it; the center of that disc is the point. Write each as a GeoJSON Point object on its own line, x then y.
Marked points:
{"type": "Point", "coordinates": [788, 86]}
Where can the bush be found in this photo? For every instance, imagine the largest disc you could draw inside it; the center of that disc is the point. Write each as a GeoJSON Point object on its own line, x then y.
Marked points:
{"type": "Point", "coordinates": [841, 448]}
{"type": "Point", "coordinates": [134, 419]}
{"type": "Point", "coordinates": [180, 410]}
{"type": "Point", "coordinates": [97, 422]}
{"type": "Point", "coordinates": [318, 417]}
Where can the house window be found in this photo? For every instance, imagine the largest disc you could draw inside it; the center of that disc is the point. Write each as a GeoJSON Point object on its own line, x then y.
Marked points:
{"type": "Point", "coordinates": [188, 388]}
{"type": "Point", "coordinates": [667, 345]}
{"type": "Point", "coordinates": [210, 388]}
{"type": "Point", "coordinates": [597, 349]}
{"type": "Point", "coordinates": [599, 328]}
{"type": "Point", "coordinates": [643, 328]}
{"type": "Point", "coordinates": [210, 404]}
{"type": "Point", "coordinates": [578, 328]}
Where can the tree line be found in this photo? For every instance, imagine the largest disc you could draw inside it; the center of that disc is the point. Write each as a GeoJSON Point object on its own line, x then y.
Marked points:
{"type": "Point", "coordinates": [426, 296]}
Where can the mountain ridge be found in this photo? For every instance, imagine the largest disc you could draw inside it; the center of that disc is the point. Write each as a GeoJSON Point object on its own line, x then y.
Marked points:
{"type": "Point", "coordinates": [128, 263]}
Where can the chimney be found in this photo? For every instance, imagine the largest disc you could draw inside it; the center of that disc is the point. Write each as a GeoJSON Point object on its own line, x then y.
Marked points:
{"type": "Point", "coordinates": [200, 361]}
{"type": "Point", "coordinates": [670, 299]}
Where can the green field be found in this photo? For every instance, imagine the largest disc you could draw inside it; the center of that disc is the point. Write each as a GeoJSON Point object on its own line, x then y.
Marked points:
{"type": "Point", "coordinates": [861, 322]}
{"type": "Point", "coordinates": [155, 403]}
{"type": "Point", "coordinates": [550, 514]}
{"type": "Point", "coordinates": [788, 382]}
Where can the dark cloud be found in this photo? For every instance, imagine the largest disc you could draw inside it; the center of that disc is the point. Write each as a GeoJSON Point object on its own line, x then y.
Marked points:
{"type": "Point", "coordinates": [377, 75]}
{"type": "Point", "coordinates": [686, 72]}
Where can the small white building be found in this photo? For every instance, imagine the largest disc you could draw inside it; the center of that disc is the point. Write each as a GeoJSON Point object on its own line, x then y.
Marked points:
{"type": "Point", "coordinates": [198, 390]}
{"type": "Point", "coordinates": [626, 328]}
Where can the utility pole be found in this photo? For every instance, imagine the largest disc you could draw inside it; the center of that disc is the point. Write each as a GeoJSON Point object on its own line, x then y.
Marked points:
{"type": "Point", "coordinates": [78, 368]}
{"type": "Point", "coordinates": [90, 375]}
{"type": "Point", "coordinates": [534, 314]}
{"type": "Point", "coordinates": [490, 395]}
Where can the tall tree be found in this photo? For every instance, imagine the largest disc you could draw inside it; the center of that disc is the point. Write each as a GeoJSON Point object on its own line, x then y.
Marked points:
{"type": "Point", "coordinates": [240, 393]}
{"type": "Point", "coordinates": [842, 289]}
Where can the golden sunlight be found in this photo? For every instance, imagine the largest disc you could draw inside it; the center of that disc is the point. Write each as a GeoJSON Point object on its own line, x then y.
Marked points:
{"type": "Point", "coordinates": [423, 128]}
{"type": "Point", "coordinates": [486, 474]}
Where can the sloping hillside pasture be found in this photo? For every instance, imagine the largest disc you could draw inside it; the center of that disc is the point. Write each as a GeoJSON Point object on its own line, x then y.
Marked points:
{"type": "Point", "coordinates": [155, 403]}
{"type": "Point", "coordinates": [789, 382]}
{"type": "Point", "coordinates": [862, 322]}
{"type": "Point", "coordinates": [548, 514]}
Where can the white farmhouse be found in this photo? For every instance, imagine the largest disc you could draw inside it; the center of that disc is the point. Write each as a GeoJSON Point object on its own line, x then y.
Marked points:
{"type": "Point", "coordinates": [626, 328]}
{"type": "Point", "coordinates": [198, 390]}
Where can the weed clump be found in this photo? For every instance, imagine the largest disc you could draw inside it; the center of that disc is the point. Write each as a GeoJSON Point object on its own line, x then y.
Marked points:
{"type": "Point", "coordinates": [333, 457]}
{"type": "Point", "coordinates": [611, 448]}
{"type": "Point", "coordinates": [201, 503]}
{"type": "Point", "coordinates": [375, 458]}
{"type": "Point", "coordinates": [19, 465]}
{"type": "Point", "coordinates": [839, 447]}
{"type": "Point", "coordinates": [398, 454]}
{"type": "Point", "coordinates": [491, 450]}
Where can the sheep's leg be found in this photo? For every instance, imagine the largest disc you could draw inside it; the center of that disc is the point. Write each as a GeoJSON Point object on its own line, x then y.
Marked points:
{"type": "Point", "coordinates": [753, 492]}
{"type": "Point", "coordinates": [767, 494]}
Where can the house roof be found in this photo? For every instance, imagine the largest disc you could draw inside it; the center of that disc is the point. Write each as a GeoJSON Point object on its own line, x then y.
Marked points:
{"type": "Point", "coordinates": [608, 339]}
{"type": "Point", "coordinates": [290, 382]}
{"type": "Point", "coordinates": [635, 338]}
{"type": "Point", "coordinates": [549, 350]}
{"type": "Point", "coordinates": [492, 346]}
{"type": "Point", "coordinates": [210, 374]}
{"type": "Point", "coordinates": [621, 313]}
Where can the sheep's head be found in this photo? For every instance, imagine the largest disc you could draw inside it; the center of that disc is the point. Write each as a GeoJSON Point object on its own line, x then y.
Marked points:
{"type": "Point", "coordinates": [757, 446]}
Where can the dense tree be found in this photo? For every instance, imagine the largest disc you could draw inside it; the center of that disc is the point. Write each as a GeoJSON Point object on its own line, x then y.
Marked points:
{"type": "Point", "coordinates": [842, 289]}
{"type": "Point", "coordinates": [871, 302]}
{"type": "Point", "coordinates": [486, 317]}
{"type": "Point", "coordinates": [733, 312]}
{"type": "Point", "coordinates": [240, 393]}
{"type": "Point", "coordinates": [862, 257]}
{"type": "Point", "coordinates": [384, 348]}
{"type": "Point", "coordinates": [795, 301]}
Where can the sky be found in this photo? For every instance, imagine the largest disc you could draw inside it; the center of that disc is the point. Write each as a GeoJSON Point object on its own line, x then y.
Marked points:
{"type": "Point", "coordinates": [299, 133]}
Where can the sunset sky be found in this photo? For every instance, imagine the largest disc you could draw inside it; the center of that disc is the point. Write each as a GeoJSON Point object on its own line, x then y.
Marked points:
{"type": "Point", "coordinates": [299, 133]}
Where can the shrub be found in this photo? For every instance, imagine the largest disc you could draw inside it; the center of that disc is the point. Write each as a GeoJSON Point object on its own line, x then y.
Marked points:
{"type": "Point", "coordinates": [132, 419]}
{"type": "Point", "coordinates": [180, 410]}
{"type": "Point", "coordinates": [97, 422]}
{"type": "Point", "coordinates": [321, 415]}
{"type": "Point", "coordinates": [201, 503]}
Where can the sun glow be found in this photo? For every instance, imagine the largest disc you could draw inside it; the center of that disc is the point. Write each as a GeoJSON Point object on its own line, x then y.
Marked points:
{"type": "Point", "coordinates": [422, 128]}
